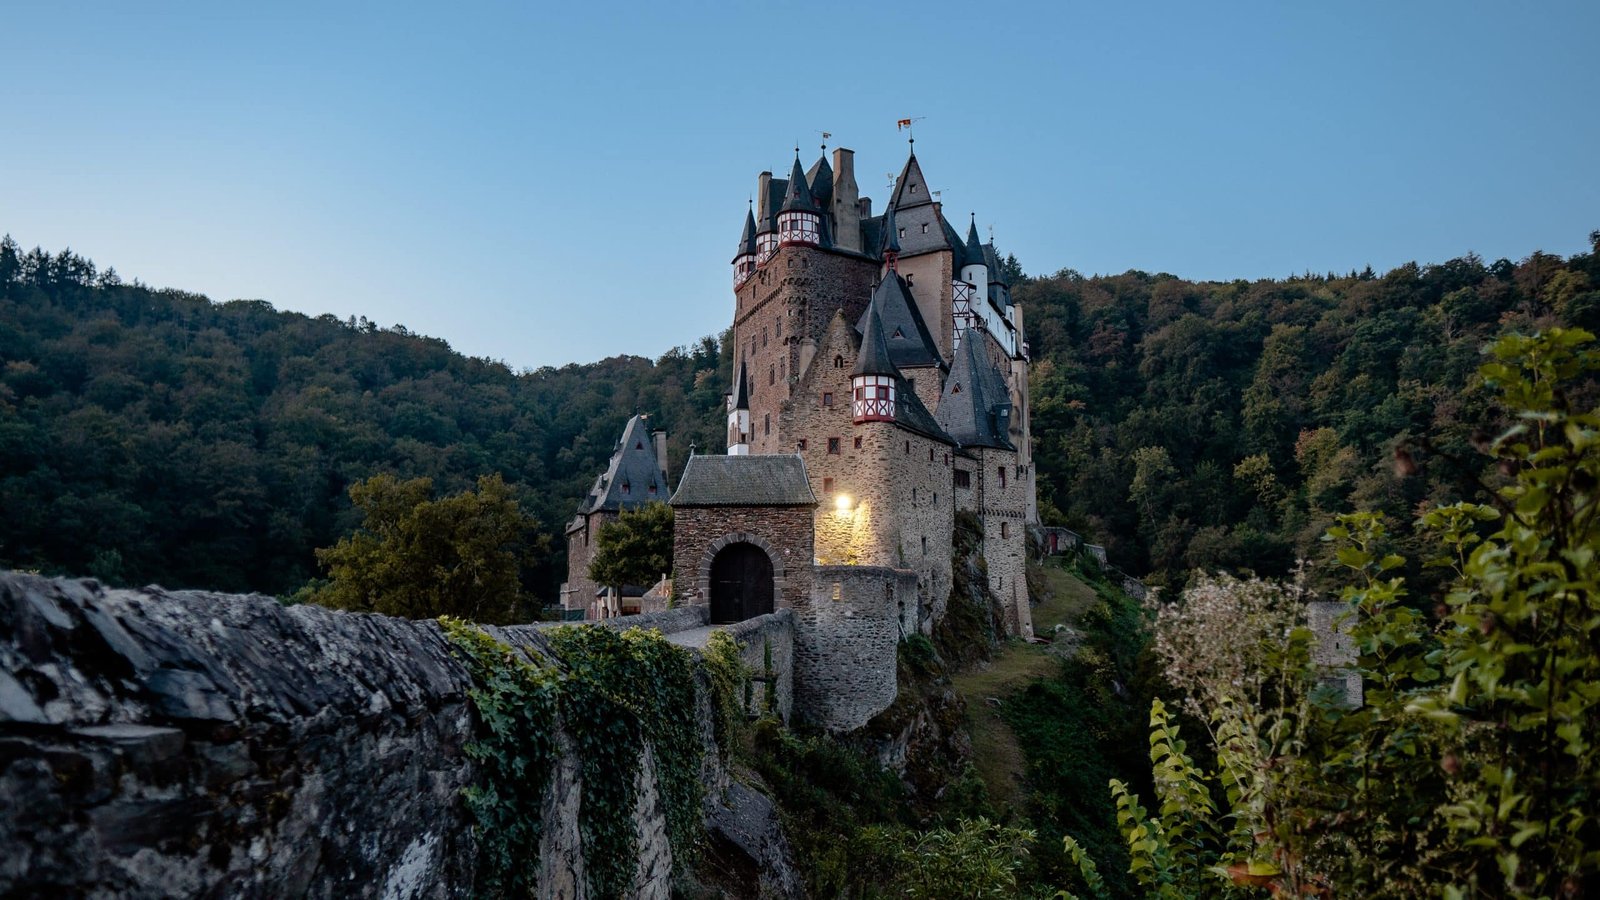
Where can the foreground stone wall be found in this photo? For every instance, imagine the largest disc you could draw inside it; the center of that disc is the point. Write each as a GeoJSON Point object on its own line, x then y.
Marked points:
{"type": "Point", "coordinates": [767, 648]}
{"type": "Point", "coordinates": [185, 744]}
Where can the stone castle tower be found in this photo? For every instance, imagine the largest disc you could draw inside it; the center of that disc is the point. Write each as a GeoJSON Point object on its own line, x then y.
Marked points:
{"type": "Point", "coordinates": [880, 389]}
{"type": "Point", "coordinates": [885, 351]}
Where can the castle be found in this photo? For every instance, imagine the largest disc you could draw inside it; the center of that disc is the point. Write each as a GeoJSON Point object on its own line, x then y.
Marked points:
{"type": "Point", "coordinates": [880, 387]}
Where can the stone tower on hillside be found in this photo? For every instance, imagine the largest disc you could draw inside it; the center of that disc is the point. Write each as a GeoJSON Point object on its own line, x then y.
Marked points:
{"type": "Point", "coordinates": [886, 352]}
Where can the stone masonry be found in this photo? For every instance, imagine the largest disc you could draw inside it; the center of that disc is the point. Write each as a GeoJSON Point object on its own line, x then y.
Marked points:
{"type": "Point", "coordinates": [188, 744]}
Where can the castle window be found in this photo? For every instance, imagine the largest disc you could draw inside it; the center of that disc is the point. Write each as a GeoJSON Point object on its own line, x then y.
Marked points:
{"type": "Point", "coordinates": [1005, 530]}
{"type": "Point", "coordinates": [763, 337]}
{"type": "Point", "coordinates": [913, 495]}
{"type": "Point", "coordinates": [924, 546]}
{"type": "Point", "coordinates": [766, 424]}
{"type": "Point", "coordinates": [626, 488]}
{"type": "Point", "coordinates": [956, 389]}
{"type": "Point", "coordinates": [930, 454]}
{"type": "Point", "coordinates": [838, 593]}
{"type": "Point", "coordinates": [908, 448]}
{"type": "Point", "coordinates": [924, 227]}
{"type": "Point", "coordinates": [858, 443]}
{"type": "Point", "coordinates": [833, 446]}
{"type": "Point", "coordinates": [827, 485]}
{"type": "Point", "coordinates": [902, 232]}
{"type": "Point", "coordinates": [838, 362]}
{"type": "Point", "coordinates": [772, 375]}
{"type": "Point", "coordinates": [913, 188]}
{"type": "Point", "coordinates": [800, 444]}
{"type": "Point", "coordinates": [827, 398]}
{"type": "Point", "coordinates": [947, 460]}
{"type": "Point", "coordinates": [1002, 472]}
{"type": "Point", "coordinates": [963, 478]}
{"type": "Point", "coordinates": [778, 326]}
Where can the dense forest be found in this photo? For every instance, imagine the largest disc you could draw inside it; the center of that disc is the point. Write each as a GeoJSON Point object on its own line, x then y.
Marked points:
{"type": "Point", "coordinates": [1206, 425]}
{"type": "Point", "coordinates": [154, 436]}
{"type": "Point", "coordinates": [151, 435]}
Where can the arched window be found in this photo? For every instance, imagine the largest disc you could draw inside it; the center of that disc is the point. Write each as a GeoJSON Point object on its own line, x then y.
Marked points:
{"type": "Point", "coordinates": [838, 362]}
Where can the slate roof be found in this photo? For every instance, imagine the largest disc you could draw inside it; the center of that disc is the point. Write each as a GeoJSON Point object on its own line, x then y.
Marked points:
{"type": "Point", "coordinates": [744, 481]}
{"type": "Point", "coordinates": [904, 332]}
{"type": "Point", "coordinates": [973, 252]}
{"type": "Point", "coordinates": [747, 240]}
{"type": "Point", "coordinates": [917, 240]}
{"type": "Point", "coordinates": [767, 207]}
{"type": "Point", "coordinates": [631, 474]}
{"type": "Point", "coordinates": [820, 176]}
{"type": "Point", "coordinates": [974, 395]}
{"type": "Point", "coordinates": [797, 197]}
{"type": "Point", "coordinates": [873, 358]}
{"type": "Point", "coordinates": [741, 387]}
{"type": "Point", "coordinates": [911, 177]}
{"type": "Point", "coordinates": [909, 413]}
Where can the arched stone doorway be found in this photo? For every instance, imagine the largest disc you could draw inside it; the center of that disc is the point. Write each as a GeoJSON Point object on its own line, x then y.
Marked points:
{"type": "Point", "coordinates": [741, 583]}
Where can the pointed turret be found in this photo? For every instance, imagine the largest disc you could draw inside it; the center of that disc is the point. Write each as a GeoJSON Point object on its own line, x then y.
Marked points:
{"type": "Point", "coordinates": [891, 240]}
{"type": "Point", "coordinates": [747, 240]}
{"type": "Point", "coordinates": [873, 380]}
{"type": "Point", "coordinates": [798, 198]}
{"type": "Point", "coordinates": [974, 249]}
{"type": "Point", "coordinates": [744, 261]}
{"type": "Point", "coordinates": [739, 413]}
{"type": "Point", "coordinates": [799, 221]}
{"type": "Point", "coordinates": [905, 332]}
{"type": "Point", "coordinates": [821, 178]}
{"type": "Point", "coordinates": [874, 358]}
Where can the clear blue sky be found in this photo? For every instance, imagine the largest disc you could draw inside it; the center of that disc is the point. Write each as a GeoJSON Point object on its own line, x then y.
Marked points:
{"type": "Point", "coordinates": [550, 185]}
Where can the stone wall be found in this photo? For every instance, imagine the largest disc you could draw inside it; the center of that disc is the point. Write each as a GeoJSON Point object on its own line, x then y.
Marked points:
{"type": "Point", "coordinates": [767, 648]}
{"type": "Point", "coordinates": [844, 645]}
{"type": "Point", "coordinates": [578, 591]}
{"type": "Point", "coordinates": [786, 304]}
{"type": "Point", "coordinates": [1332, 650]}
{"type": "Point", "coordinates": [783, 531]}
{"type": "Point", "coordinates": [187, 744]}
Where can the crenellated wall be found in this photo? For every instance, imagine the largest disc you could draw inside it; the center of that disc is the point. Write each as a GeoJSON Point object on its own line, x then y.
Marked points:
{"type": "Point", "coordinates": [189, 744]}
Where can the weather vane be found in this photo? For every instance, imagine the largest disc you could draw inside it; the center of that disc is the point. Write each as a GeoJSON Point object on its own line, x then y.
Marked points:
{"type": "Point", "coordinates": [905, 125]}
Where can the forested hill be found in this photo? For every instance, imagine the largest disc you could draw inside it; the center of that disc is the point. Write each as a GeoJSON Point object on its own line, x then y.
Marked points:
{"type": "Point", "coordinates": [1221, 425]}
{"type": "Point", "coordinates": [155, 436]}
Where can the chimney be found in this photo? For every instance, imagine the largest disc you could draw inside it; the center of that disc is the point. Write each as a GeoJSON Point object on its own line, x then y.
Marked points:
{"type": "Point", "coordinates": [866, 208]}
{"type": "Point", "coordinates": [763, 181]}
{"type": "Point", "coordinates": [846, 208]}
{"type": "Point", "coordinates": [659, 438]}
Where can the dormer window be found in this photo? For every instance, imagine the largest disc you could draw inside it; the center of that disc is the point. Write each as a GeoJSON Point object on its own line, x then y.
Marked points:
{"type": "Point", "coordinates": [924, 227]}
{"type": "Point", "coordinates": [913, 188]}
{"type": "Point", "coordinates": [902, 232]}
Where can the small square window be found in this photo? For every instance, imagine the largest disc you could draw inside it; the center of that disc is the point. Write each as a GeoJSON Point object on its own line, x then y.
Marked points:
{"type": "Point", "coordinates": [827, 485]}
{"type": "Point", "coordinates": [827, 398]}
{"type": "Point", "coordinates": [902, 232]}
{"type": "Point", "coordinates": [963, 478]}
{"type": "Point", "coordinates": [858, 443]}
{"type": "Point", "coordinates": [924, 227]}
{"type": "Point", "coordinates": [800, 444]}
{"type": "Point", "coordinates": [833, 446]}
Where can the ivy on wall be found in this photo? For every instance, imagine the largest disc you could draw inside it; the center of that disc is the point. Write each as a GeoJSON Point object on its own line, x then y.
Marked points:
{"type": "Point", "coordinates": [616, 694]}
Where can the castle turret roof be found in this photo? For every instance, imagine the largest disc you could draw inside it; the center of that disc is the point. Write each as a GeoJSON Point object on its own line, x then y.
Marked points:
{"type": "Point", "coordinates": [747, 240]}
{"type": "Point", "coordinates": [798, 196]}
{"type": "Point", "coordinates": [891, 235]}
{"type": "Point", "coordinates": [741, 387]}
{"type": "Point", "coordinates": [874, 357]}
{"type": "Point", "coordinates": [632, 478]}
{"type": "Point", "coordinates": [905, 332]}
{"type": "Point", "coordinates": [975, 408]}
{"type": "Point", "coordinates": [974, 249]}
{"type": "Point", "coordinates": [821, 178]}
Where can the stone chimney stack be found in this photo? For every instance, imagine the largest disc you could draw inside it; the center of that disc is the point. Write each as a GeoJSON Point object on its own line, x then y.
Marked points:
{"type": "Point", "coordinates": [866, 208]}
{"type": "Point", "coordinates": [659, 438]}
{"type": "Point", "coordinates": [763, 184]}
{"type": "Point", "coordinates": [846, 208]}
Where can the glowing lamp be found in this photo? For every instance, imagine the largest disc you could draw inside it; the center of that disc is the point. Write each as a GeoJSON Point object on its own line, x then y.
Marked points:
{"type": "Point", "coordinates": [843, 503]}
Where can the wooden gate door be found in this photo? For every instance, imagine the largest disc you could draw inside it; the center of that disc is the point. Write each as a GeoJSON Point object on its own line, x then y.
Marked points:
{"type": "Point", "coordinates": [741, 583]}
